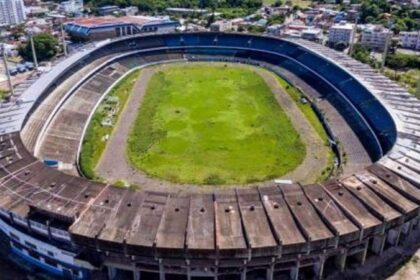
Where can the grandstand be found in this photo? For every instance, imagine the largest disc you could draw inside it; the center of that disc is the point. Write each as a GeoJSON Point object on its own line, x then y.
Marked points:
{"type": "Point", "coordinates": [77, 229]}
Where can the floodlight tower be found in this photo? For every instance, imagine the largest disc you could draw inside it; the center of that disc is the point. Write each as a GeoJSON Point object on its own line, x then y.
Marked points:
{"type": "Point", "coordinates": [31, 38]}
{"type": "Point", "coordinates": [63, 39]}
{"type": "Point", "coordinates": [6, 68]}
{"type": "Point", "coordinates": [353, 38]}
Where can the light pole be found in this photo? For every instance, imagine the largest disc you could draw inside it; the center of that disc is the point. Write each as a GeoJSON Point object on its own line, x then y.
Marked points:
{"type": "Point", "coordinates": [6, 68]}
{"type": "Point", "coordinates": [31, 38]}
{"type": "Point", "coordinates": [385, 53]}
{"type": "Point", "coordinates": [64, 39]}
{"type": "Point", "coordinates": [353, 38]}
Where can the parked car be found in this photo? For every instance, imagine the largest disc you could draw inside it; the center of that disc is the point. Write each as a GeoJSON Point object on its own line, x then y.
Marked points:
{"type": "Point", "coordinates": [13, 71]}
{"type": "Point", "coordinates": [29, 65]}
{"type": "Point", "coordinates": [21, 68]}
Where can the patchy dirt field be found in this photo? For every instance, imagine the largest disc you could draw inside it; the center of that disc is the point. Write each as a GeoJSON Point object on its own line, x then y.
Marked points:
{"type": "Point", "coordinates": [114, 166]}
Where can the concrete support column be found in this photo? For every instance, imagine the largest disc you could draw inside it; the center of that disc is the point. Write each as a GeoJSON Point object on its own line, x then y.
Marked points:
{"type": "Point", "coordinates": [294, 273]}
{"type": "Point", "coordinates": [161, 270]}
{"type": "Point", "coordinates": [393, 236]}
{"type": "Point", "coordinates": [361, 256]}
{"type": "Point", "coordinates": [243, 273]}
{"type": "Point", "coordinates": [136, 275]}
{"type": "Point", "coordinates": [112, 272]}
{"type": "Point", "coordinates": [407, 227]}
{"type": "Point", "coordinates": [188, 273]}
{"type": "Point", "coordinates": [415, 223]}
{"type": "Point", "coordinates": [340, 261]}
{"type": "Point", "coordinates": [188, 269]}
{"type": "Point", "coordinates": [378, 244]}
{"type": "Point", "coordinates": [270, 272]}
{"type": "Point", "coordinates": [319, 268]}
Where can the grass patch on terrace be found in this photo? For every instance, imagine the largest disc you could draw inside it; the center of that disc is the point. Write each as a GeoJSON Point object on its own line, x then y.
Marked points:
{"type": "Point", "coordinates": [3, 94]}
{"type": "Point", "coordinates": [213, 125]}
{"type": "Point", "coordinates": [313, 119]}
{"type": "Point", "coordinates": [99, 130]}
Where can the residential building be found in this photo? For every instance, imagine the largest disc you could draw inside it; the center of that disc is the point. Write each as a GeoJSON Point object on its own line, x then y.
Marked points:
{"type": "Point", "coordinates": [410, 40]}
{"type": "Point", "coordinates": [312, 34]}
{"type": "Point", "coordinates": [72, 7]}
{"type": "Point", "coordinates": [130, 11]}
{"type": "Point", "coordinates": [276, 29]}
{"type": "Point", "coordinates": [375, 37]}
{"type": "Point", "coordinates": [12, 12]}
{"type": "Point", "coordinates": [99, 28]}
{"type": "Point", "coordinates": [221, 26]}
{"type": "Point", "coordinates": [341, 32]}
{"type": "Point", "coordinates": [185, 11]}
{"type": "Point", "coordinates": [108, 10]}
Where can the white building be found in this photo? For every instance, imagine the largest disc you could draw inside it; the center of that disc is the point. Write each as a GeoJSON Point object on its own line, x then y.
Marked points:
{"type": "Point", "coordinates": [72, 7]}
{"type": "Point", "coordinates": [375, 37]}
{"type": "Point", "coordinates": [276, 29]}
{"type": "Point", "coordinates": [341, 32]}
{"type": "Point", "coordinates": [410, 40]}
{"type": "Point", "coordinates": [221, 26]}
{"type": "Point", "coordinates": [312, 34]}
{"type": "Point", "coordinates": [12, 12]}
{"type": "Point", "coordinates": [130, 11]}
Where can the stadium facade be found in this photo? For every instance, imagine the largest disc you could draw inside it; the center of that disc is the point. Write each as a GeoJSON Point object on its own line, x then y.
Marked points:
{"type": "Point", "coordinates": [70, 227]}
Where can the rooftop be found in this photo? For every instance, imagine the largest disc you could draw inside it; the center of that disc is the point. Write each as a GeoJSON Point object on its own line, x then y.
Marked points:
{"type": "Point", "coordinates": [343, 25]}
{"type": "Point", "coordinates": [110, 20]}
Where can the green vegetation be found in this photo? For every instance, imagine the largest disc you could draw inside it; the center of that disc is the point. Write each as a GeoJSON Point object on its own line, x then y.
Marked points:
{"type": "Point", "coordinates": [401, 61]}
{"type": "Point", "coordinates": [161, 5]}
{"type": "Point", "coordinates": [313, 119]}
{"type": "Point", "coordinates": [362, 54]}
{"type": "Point", "coordinates": [410, 79]}
{"type": "Point", "coordinates": [306, 108]}
{"type": "Point", "coordinates": [275, 19]}
{"type": "Point", "coordinates": [94, 142]}
{"type": "Point", "coordinates": [3, 94]}
{"type": "Point", "coordinates": [401, 67]}
{"type": "Point", "coordinates": [212, 124]}
{"type": "Point", "coordinates": [46, 46]}
{"type": "Point", "coordinates": [397, 17]}
{"type": "Point", "coordinates": [300, 3]}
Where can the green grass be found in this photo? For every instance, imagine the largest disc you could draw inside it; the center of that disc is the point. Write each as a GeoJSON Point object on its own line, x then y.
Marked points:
{"type": "Point", "coordinates": [3, 94]}
{"type": "Point", "coordinates": [93, 142]}
{"type": "Point", "coordinates": [306, 109]}
{"type": "Point", "coordinates": [313, 119]}
{"type": "Point", "coordinates": [409, 79]}
{"type": "Point", "coordinates": [212, 124]}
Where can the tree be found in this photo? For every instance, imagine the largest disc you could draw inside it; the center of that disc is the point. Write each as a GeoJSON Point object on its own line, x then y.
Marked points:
{"type": "Point", "coordinates": [210, 20]}
{"type": "Point", "coordinates": [276, 19]}
{"type": "Point", "coordinates": [362, 54]}
{"type": "Point", "coordinates": [46, 46]}
{"type": "Point", "coordinates": [278, 3]}
{"type": "Point", "coordinates": [401, 61]}
{"type": "Point", "coordinates": [340, 46]}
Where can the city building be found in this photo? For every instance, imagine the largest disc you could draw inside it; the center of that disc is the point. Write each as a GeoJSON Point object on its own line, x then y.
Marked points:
{"type": "Point", "coordinates": [185, 11]}
{"type": "Point", "coordinates": [341, 32]}
{"type": "Point", "coordinates": [130, 11]}
{"type": "Point", "coordinates": [312, 34]}
{"type": "Point", "coordinates": [375, 37]}
{"type": "Point", "coordinates": [108, 10]}
{"type": "Point", "coordinates": [99, 28]}
{"type": "Point", "coordinates": [221, 26]}
{"type": "Point", "coordinates": [12, 12]}
{"type": "Point", "coordinates": [410, 40]}
{"type": "Point", "coordinates": [276, 29]}
{"type": "Point", "coordinates": [72, 7]}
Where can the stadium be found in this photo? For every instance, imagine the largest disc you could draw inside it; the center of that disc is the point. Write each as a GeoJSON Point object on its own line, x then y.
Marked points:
{"type": "Point", "coordinates": [70, 227]}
